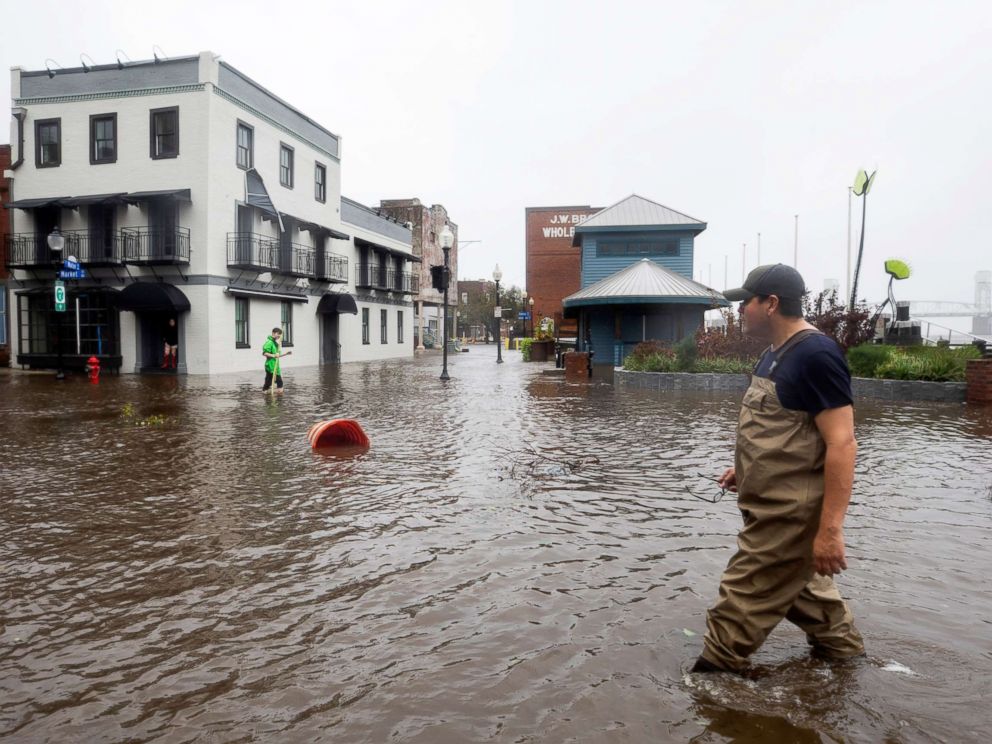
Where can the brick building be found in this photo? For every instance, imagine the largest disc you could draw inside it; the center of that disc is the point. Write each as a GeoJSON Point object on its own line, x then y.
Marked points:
{"type": "Point", "coordinates": [4, 276]}
{"type": "Point", "coordinates": [553, 263]}
{"type": "Point", "coordinates": [426, 224]}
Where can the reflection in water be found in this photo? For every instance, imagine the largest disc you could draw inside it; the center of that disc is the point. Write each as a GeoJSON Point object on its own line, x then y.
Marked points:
{"type": "Point", "coordinates": [515, 558]}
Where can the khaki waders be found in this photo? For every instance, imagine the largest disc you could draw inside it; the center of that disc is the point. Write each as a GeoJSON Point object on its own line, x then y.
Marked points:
{"type": "Point", "coordinates": [779, 464]}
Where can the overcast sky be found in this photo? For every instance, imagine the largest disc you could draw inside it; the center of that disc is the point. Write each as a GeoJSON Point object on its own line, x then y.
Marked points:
{"type": "Point", "coordinates": [739, 114]}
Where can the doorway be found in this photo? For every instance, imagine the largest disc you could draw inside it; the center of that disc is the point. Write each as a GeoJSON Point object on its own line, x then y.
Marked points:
{"type": "Point", "coordinates": [330, 347]}
{"type": "Point", "coordinates": [151, 340]}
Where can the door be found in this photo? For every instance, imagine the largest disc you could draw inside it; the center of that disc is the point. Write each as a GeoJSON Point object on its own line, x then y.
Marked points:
{"type": "Point", "coordinates": [330, 350]}
{"type": "Point", "coordinates": [162, 215]}
{"type": "Point", "coordinates": [101, 234]}
{"type": "Point", "coordinates": [46, 219]}
{"type": "Point", "coordinates": [243, 238]}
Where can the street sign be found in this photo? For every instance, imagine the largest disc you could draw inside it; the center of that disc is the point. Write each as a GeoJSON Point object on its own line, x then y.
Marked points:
{"type": "Point", "coordinates": [72, 274]}
{"type": "Point", "coordinates": [70, 264]}
{"type": "Point", "coordinates": [498, 312]}
{"type": "Point", "coordinates": [59, 297]}
{"type": "Point", "coordinates": [523, 315]}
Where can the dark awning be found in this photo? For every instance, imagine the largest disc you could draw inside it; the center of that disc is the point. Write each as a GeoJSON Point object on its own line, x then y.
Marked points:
{"type": "Point", "coordinates": [315, 227]}
{"type": "Point", "coordinates": [245, 292]}
{"type": "Point", "coordinates": [152, 297]}
{"type": "Point", "coordinates": [84, 201]}
{"type": "Point", "coordinates": [337, 302]}
{"type": "Point", "coordinates": [256, 195]}
{"type": "Point", "coordinates": [176, 194]}
{"type": "Point", "coordinates": [360, 242]}
{"type": "Point", "coordinates": [48, 201]}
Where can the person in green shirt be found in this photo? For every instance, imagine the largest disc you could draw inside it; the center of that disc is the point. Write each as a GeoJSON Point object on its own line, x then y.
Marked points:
{"type": "Point", "coordinates": [273, 353]}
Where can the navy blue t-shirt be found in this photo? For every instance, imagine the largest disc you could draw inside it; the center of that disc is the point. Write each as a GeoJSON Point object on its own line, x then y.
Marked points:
{"type": "Point", "coordinates": [812, 377]}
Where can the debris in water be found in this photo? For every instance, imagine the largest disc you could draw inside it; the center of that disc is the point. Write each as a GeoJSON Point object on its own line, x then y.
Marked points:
{"type": "Point", "coordinates": [895, 666]}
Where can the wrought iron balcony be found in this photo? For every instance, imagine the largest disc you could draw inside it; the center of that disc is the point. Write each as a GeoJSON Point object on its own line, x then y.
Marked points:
{"type": "Point", "coordinates": [370, 276]}
{"type": "Point", "coordinates": [402, 281]}
{"type": "Point", "coordinates": [155, 246]}
{"type": "Point", "coordinates": [30, 250]}
{"type": "Point", "coordinates": [298, 260]}
{"type": "Point", "coordinates": [246, 250]}
{"type": "Point", "coordinates": [332, 268]}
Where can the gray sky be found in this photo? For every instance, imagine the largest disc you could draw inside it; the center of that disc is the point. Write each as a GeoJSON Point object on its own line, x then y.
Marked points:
{"type": "Point", "coordinates": [739, 114]}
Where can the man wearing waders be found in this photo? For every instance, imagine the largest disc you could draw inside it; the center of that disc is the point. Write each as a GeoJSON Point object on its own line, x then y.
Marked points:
{"type": "Point", "coordinates": [793, 471]}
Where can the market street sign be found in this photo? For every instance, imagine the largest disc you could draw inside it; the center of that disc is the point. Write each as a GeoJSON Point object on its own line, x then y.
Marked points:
{"type": "Point", "coordinates": [72, 274]}
{"type": "Point", "coordinates": [59, 297]}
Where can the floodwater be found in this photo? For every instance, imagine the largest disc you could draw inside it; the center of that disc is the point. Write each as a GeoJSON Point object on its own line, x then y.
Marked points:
{"type": "Point", "coordinates": [515, 559]}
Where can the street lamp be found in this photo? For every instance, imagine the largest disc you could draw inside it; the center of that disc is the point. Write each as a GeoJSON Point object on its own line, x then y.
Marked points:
{"type": "Point", "coordinates": [498, 315]}
{"type": "Point", "coordinates": [531, 302]}
{"type": "Point", "coordinates": [447, 240]}
{"type": "Point", "coordinates": [56, 242]}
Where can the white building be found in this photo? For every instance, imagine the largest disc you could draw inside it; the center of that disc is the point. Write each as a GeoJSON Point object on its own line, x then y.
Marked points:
{"type": "Point", "coordinates": [187, 190]}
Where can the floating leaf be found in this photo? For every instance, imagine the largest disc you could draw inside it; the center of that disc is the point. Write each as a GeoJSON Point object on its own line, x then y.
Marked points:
{"type": "Point", "coordinates": [688, 632]}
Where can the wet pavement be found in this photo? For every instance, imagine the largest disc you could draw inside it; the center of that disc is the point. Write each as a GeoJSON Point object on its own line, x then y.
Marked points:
{"type": "Point", "coordinates": [515, 559]}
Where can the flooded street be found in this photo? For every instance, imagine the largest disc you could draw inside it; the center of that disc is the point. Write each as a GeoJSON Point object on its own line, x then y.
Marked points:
{"type": "Point", "coordinates": [515, 559]}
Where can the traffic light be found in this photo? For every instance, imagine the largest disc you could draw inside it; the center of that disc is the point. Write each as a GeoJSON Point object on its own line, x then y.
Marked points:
{"type": "Point", "coordinates": [439, 278]}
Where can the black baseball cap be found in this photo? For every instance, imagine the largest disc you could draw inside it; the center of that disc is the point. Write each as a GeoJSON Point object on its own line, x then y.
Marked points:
{"type": "Point", "coordinates": [771, 279]}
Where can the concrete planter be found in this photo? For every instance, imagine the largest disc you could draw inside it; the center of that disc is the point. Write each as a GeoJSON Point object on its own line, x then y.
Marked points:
{"type": "Point", "coordinates": [901, 390]}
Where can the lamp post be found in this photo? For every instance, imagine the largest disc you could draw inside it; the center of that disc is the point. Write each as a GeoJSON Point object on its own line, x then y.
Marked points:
{"type": "Point", "coordinates": [447, 240]}
{"type": "Point", "coordinates": [498, 315]}
{"type": "Point", "coordinates": [530, 302]}
{"type": "Point", "coordinates": [56, 242]}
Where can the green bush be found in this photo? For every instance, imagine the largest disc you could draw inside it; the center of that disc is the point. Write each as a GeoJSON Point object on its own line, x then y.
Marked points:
{"type": "Point", "coordinates": [725, 366]}
{"type": "Point", "coordinates": [864, 360]}
{"type": "Point", "coordinates": [658, 362]}
{"type": "Point", "coordinates": [686, 354]}
{"type": "Point", "coordinates": [933, 363]}
{"type": "Point", "coordinates": [525, 349]}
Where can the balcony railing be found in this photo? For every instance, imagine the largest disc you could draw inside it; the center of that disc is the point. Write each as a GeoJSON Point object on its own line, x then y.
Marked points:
{"type": "Point", "coordinates": [29, 250]}
{"type": "Point", "coordinates": [252, 251]}
{"type": "Point", "coordinates": [402, 281]}
{"type": "Point", "coordinates": [146, 245]}
{"type": "Point", "coordinates": [298, 260]}
{"type": "Point", "coordinates": [332, 268]}
{"type": "Point", "coordinates": [370, 276]}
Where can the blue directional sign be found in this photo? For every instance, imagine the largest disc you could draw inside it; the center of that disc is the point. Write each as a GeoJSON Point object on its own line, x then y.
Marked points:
{"type": "Point", "coordinates": [72, 274]}
{"type": "Point", "coordinates": [70, 264]}
{"type": "Point", "coordinates": [523, 315]}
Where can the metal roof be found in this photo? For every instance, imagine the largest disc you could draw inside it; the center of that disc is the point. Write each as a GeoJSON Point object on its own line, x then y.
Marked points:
{"type": "Point", "coordinates": [636, 211]}
{"type": "Point", "coordinates": [647, 282]}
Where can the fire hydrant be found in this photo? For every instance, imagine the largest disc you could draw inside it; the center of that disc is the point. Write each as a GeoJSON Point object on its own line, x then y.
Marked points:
{"type": "Point", "coordinates": [93, 369]}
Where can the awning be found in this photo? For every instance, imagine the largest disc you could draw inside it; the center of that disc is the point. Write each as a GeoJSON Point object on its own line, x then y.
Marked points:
{"type": "Point", "coordinates": [245, 292]}
{"type": "Point", "coordinates": [141, 196]}
{"type": "Point", "coordinates": [84, 201]}
{"type": "Point", "coordinates": [256, 195]}
{"type": "Point", "coordinates": [313, 227]}
{"type": "Point", "coordinates": [359, 242]}
{"type": "Point", "coordinates": [49, 201]}
{"type": "Point", "coordinates": [152, 297]}
{"type": "Point", "coordinates": [337, 302]}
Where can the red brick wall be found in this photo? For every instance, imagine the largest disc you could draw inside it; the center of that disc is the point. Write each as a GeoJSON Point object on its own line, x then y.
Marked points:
{"type": "Point", "coordinates": [978, 377]}
{"type": "Point", "coordinates": [4, 229]}
{"type": "Point", "coordinates": [428, 222]}
{"type": "Point", "coordinates": [552, 263]}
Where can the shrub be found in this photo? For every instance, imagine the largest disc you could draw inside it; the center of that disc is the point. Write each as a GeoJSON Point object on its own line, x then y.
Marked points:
{"type": "Point", "coordinates": [848, 327]}
{"type": "Point", "coordinates": [729, 342]}
{"type": "Point", "coordinates": [725, 366]}
{"type": "Point", "coordinates": [864, 360]}
{"type": "Point", "coordinates": [525, 349]}
{"type": "Point", "coordinates": [686, 354]}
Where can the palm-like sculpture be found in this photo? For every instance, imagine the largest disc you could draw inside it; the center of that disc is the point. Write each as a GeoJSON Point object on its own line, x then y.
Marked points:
{"type": "Point", "coordinates": [862, 185]}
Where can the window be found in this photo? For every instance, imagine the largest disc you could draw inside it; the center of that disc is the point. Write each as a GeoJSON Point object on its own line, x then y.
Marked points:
{"type": "Point", "coordinates": [399, 326]}
{"type": "Point", "coordinates": [320, 183]}
{"type": "Point", "coordinates": [365, 325]}
{"type": "Point", "coordinates": [48, 143]}
{"type": "Point", "coordinates": [245, 146]}
{"type": "Point", "coordinates": [94, 325]}
{"type": "Point", "coordinates": [286, 166]}
{"type": "Point", "coordinates": [165, 133]}
{"type": "Point", "coordinates": [103, 138]}
{"type": "Point", "coordinates": [383, 318]}
{"type": "Point", "coordinates": [657, 247]}
{"type": "Point", "coordinates": [286, 322]}
{"type": "Point", "coordinates": [241, 323]}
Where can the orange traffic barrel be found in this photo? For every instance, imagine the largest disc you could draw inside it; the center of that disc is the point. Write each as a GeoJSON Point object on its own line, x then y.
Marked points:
{"type": "Point", "coordinates": [336, 433]}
